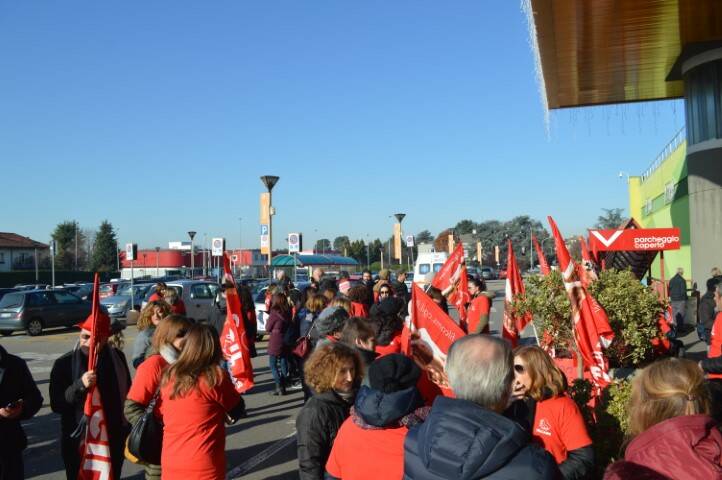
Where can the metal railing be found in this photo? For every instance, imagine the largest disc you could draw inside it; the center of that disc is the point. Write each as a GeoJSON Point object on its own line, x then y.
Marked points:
{"type": "Point", "coordinates": [676, 141]}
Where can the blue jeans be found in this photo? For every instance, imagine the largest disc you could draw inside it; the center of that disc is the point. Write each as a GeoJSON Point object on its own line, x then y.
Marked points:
{"type": "Point", "coordinates": [273, 362]}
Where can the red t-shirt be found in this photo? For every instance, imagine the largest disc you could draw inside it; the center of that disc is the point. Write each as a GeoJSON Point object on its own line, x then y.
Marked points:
{"type": "Point", "coordinates": [194, 435]}
{"type": "Point", "coordinates": [359, 310]}
{"type": "Point", "coordinates": [480, 305]}
{"type": "Point", "coordinates": [382, 458]}
{"type": "Point", "coordinates": [393, 347]}
{"type": "Point", "coordinates": [178, 307]}
{"type": "Point", "coordinates": [559, 427]}
{"type": "Point", "coordinates": [156, 297]}
{"type": "Point", "coordinates": [715, 344]}
{"type": "Point", "coordinates": [146, 381]}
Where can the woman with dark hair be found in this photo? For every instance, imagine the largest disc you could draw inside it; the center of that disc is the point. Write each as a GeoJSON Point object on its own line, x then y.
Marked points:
{"type": "Point", "coordinates": [358, 295]}
{"type": "Point", "coordinates": [387, 320]}
{"type": "Point", "coordinates": [438, 298]}
{"type": "Point", "coordinates": [360, 334]}
{"type": "Point", "coordinates": [248, 308]}
{"type": "Point", "coordinates": [195, 396]}
{"type": "Point", "coordinates": [278, 323]}
{"type": "Point", "coordinates": [334, 371]}
{"type": "Point", "coordinates": [552, 418]}
{"type": "Point", "coordinates": [168, 342]}
{"type": "Point", "coordinates": [478, 313]}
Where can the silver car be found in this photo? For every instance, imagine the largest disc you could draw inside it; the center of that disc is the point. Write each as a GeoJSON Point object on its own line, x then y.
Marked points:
{"type": "Point", "coordinates": [197, 295]}
{"type": "Point", "coordinates": [120, 304]}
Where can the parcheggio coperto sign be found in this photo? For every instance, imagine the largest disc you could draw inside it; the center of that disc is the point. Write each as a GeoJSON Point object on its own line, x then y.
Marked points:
{"type": "Point", "coordinates": [635, 239]}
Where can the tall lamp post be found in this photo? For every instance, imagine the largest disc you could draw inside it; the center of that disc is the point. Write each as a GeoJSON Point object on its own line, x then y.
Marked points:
{"type": "Point", "coordinates": [399, 218]}
{"type": "Point", "coordinates": [270, 181]}
{"type": "Point", "coordinates": [157, 260]}
{"type": "Point", "coordinates": [193, 260]}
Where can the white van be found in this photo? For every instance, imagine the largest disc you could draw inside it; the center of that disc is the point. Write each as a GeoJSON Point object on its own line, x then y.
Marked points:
{"type": "Point", "coordinates": [427, 265]}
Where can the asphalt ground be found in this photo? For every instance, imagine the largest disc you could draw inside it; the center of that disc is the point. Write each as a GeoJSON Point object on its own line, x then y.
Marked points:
{"type": "Point", "coordinates": [261, 446]}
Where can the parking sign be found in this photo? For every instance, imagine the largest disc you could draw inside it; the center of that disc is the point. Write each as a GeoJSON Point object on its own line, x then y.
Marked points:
{"type": "Point", "coordinates": [264, 229]}
{"type": "Point", "coordinates": [294, 242]}
{"type": "Point", "coordinates": [218, 245]}
{"type": "Point", "coordinates": [131, 251]}
{"type": "Point", "coordinates": [409, 241]}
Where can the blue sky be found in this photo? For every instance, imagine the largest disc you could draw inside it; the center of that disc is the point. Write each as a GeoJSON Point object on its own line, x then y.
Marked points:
{"type": "Point", "coordinates": [160, 117]}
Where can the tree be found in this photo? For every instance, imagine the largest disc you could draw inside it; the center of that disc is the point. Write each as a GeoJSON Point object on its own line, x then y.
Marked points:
{"type": "Point", "coordinates": [68, 239]}
{"type": "Point", "coordinates": [104, 251]}
{"type": "Point", "coordinates": [464, 227]}
{"type": "Point", "coordinates": [357, 251]}
{"type": "Point", "coordinates": [323, 245]}
{"type": "Point", "coordinates": [424, 236]}
{"type": "Point", "coordinates": [612, 219]}
{"type": "Point", "coordinates": [341, 243]}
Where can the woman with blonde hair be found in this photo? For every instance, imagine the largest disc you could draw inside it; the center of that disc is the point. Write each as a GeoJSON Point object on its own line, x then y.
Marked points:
{"type": "Point", "coordinates": [553, 419]}
{"type": "Point", "coordinates": [673, 435]}
{"type": "Point", "coordinates": [342, 302]}
{"type": "Point", "coordinates": [168, 342]}
{"type": "Point", "coordinates": [149, 319]}
{"type": "Point", "coordinates": [334, 372]}
{"type": "Point", "coordinates": [195, 396]}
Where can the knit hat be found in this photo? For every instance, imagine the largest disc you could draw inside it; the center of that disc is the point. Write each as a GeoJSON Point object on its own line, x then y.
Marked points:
{"type": "Point", "coordinates": [392, 373]}
{"type": "Point", "coordinates": [331, 319]}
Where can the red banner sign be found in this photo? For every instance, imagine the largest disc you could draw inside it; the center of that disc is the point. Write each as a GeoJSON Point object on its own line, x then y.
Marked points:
{"type": "Point", "coordinates": [635, 239]}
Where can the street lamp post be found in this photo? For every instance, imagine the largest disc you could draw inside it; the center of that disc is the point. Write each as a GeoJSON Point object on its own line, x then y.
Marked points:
{"type": "Point", "coordinates": [157, 260]}
{"type": "Point", "coordinates": [270, 181]}
{"type": "Point", "coordinates": [399, 217]}
{"type": "Point", "coordinates": [193, 260]}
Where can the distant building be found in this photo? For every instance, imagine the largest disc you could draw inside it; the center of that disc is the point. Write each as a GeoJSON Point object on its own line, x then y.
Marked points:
{"type": "Point", "coordinates": [18, 252]}
{"type": "Point", "coordinates": [177, 261]}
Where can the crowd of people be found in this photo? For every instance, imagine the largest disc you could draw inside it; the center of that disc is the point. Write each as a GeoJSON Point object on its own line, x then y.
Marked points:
{"type": "Point", "coordinates": [365, 414]}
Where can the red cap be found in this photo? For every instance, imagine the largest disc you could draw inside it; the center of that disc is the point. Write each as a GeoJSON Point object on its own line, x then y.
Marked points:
{"type": "Point", "coordinates": [103, 324]}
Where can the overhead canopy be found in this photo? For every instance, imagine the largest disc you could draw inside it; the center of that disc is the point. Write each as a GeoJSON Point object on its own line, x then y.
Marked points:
{"type": "Point", "coordinates": [313, 261]}
{"type": "Point", "coordinates": [596, 52]}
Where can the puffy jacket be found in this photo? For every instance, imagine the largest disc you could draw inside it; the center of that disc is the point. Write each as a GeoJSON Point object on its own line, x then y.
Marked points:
{"type": "Point", "coordinates": [377, 427]}
{"type": "Point", "coordinates": [16, 383]}
{"type": "Point", "coordinates": [317, 425]}
{"type": "Point", "coordinates": [464, 441]}
{"type": "Point", "coordinates": [679, 448]}
{"type": "Point", "coordinates": [276, 326]}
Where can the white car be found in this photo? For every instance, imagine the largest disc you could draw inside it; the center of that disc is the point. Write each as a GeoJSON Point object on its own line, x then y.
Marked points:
{"type": "Point", "coordinates": [197, 295]}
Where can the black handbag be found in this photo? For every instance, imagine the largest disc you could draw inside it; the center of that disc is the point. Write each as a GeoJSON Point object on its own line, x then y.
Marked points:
{"type": "Point", "coordinates": [146, 437]}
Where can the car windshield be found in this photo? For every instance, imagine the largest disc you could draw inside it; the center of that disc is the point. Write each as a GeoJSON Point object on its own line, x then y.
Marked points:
{"type": "Point", "coordinates": [125, 289]}
{"type": "Point", "coordinates": [12, 301]}
{"type": "Point", "coordinates": [424, 268]}
{"type": "Point", "coordinates": [437, 267]}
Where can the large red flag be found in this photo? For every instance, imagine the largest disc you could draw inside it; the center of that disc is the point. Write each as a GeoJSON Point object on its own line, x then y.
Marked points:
{"type": "Point", "coordinates": [95, 461]}
{"type": "Point", "coordinates": [453, 281]}
{"type": "Point", "coordinates": [543, 264]}
{"type": "Point", "coordinates": [591, 326]}
{"type": "Point", "coordinates": [512, 326]}
{"type": "Point", "coordinates": [233, 338]}
{"type": "Point", "coordinates": [427, 337]}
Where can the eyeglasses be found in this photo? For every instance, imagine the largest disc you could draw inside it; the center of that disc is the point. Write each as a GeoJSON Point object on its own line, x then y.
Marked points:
{"type": "Point", "coordinates": [519, 368]}
{"type": "Point", "coordinates": [84, 336]}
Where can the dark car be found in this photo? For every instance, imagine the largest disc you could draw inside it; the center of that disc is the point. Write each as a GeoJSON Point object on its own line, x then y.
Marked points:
{"type": "Point", "coordinates": [5, 291]}
{"type": "Point", "coordinates": [35, 310]}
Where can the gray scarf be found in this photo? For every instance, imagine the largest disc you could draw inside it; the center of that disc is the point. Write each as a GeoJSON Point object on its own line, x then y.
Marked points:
{"type": "Point", "coordinates": [169, 354]}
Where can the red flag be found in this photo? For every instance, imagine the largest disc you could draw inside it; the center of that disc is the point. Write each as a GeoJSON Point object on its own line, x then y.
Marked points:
{"type": "Point", "coordinates": [428, 336]}
{"type": "Point", "coordinates": [591, 326]}
{"type": "Point", "coordinates": [453, 281]}
{"type": "Point", "coordinates": [233, 338]}
{"type": "Point", "coordinates": [587, 272]}
{"type": "Point", "coordinates": [512, 326]}
{"type": "Point", "coordinates": [95, 461]}
{"type": "Point", "coordinates": [543, 264]}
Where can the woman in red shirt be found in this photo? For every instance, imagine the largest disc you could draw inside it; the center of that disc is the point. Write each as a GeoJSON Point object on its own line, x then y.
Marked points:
{"type": "Point", "coordinates": [168, 341]}
{"type": "Point", "coordinates": [170, 295]}
{"type": "Point", "coordinates": [555, 420]}
{"type": "Point", "coordinates": [478, 313]}
{"type": "Point", "coordinates": [195, 396]}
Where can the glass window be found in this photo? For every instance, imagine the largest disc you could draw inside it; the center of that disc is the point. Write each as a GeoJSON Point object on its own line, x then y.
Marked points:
{"type": "Point", "coordinates": [65, 298]}
{"type": "Point", "coordinates": [424, 268]}
{"type": "Point", "coordinates": [201, 290]}
{"type": "Point", "coordinates": [2, 257]}
{"type": "Point", "coordinates": [437, 267]}
{"type": "Point", "coordinates": [39, 299]}
{"type": "Point", "coordinates": [12, 300]}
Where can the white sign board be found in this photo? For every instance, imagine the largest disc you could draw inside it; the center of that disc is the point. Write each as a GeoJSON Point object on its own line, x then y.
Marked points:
{"type": "Point", "coordinates": [131, 250]}
{"type": "Point", "coordinates": [294, 243]}
{"type": "Point", "coordinates": [217, 247]}
{"type": "Point", "coordinates": [409, 241]}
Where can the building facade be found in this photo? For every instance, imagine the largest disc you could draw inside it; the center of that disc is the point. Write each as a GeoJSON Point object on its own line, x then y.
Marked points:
{"type": "Point", "coordinates": [18, 252]}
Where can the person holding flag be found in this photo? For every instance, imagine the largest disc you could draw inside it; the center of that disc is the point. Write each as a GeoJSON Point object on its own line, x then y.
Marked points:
{"type": "Point", "coordinates": [97, 372]}
{"type": "Point", "coordinates": [479, 308]}
{"type": "Point", "coordinates": [452, 281]}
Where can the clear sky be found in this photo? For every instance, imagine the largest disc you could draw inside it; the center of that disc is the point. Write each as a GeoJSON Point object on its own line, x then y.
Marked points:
{"type": "Point", "coordinates": [160, 117]}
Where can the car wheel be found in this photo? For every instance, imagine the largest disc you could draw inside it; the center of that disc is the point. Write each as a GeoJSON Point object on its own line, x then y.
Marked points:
{"type": "Point", "coordinates": [34, 327]}
{"type": "Point", "coordinates": [259, 337]}
{"type": "Point", "coordinates": [6, 333]}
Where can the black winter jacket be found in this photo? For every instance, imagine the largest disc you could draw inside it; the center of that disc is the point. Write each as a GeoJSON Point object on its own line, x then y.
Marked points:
{"type": "Point", "coordinates": [464, 441]}
{"type": "Point", "coordinates": [385, 409]}
{"type": "Point", "coordinates": [705, 311]}
{"type": "Point", "coordinates": [316, 426]}
{"type": "Point", "coordinates": [677, 288]}
{"type": "Point", "coordinates": [16, 383]}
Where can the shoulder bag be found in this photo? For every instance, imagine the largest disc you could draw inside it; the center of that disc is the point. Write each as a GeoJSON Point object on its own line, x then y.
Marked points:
{"type": "Point", "coordinates": [146, 437]}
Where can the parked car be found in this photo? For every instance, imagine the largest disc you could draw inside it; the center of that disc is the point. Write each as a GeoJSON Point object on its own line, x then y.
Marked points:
{"type": "Point", "coordinates": [488, 273]}
{"type": "Point", "coordinates": [82, 290]}
{"type": "Point", "coordinates": [197, 295]}
{"type": "Point", "coordinates": [121, 303]}
{"type": "Point", "coordinates": [35, 310]}
{"type": "Point", "coordinates": [4, 291]}
{"type": "Point", "coordinates": [259, 301]}
{"type": "Point", "coordinates": [109, 289]}
{"type": "Point", "coordinates": [31, 286]}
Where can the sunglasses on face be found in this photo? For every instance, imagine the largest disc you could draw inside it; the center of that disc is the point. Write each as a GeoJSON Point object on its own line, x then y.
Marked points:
{"type": "Point", "coordinates": [519, 368]}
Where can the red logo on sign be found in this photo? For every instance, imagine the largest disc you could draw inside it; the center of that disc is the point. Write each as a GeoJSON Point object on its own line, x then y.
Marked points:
{"type": "Point", "coordinates": [635, 239]}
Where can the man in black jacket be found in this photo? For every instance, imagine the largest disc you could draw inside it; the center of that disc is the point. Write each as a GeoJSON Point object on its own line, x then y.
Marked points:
{"type": "Point", "coordinates": [678, 298]}
{"type": "Point", "coordinates": [466, 437]}
{"type": "Point", "coordinates": [20, 399]}
{"type": "Point", "coordinates": [70, 381]}
{"type": "Point", "coordinates": [706, 312]}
